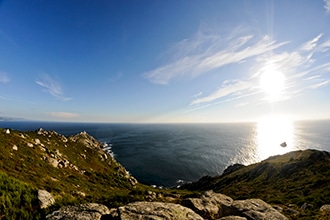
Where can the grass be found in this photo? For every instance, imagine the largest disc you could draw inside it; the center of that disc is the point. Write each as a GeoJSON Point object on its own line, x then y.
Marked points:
{"type": "Point", "coordinates": [289, 180]}
{"type": "Point", "coordinates": [17, 199]}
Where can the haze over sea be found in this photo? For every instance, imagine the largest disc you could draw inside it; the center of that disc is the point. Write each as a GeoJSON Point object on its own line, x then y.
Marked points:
{"type": "Point", "coordinates": [169, 154]}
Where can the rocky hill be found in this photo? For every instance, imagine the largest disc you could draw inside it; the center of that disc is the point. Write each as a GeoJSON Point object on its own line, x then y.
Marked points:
{"type": "Point", "coordinates": [298, 182]}
{"type": "Point", "coordinates": [45, 175]}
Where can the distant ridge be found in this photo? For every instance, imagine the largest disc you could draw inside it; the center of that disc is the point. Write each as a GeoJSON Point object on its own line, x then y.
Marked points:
{"type": "Point", "coordinates": [5, 118]}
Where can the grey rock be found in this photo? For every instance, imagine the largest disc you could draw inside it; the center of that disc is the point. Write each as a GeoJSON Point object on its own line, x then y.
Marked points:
{"type": "Point", "coordinates": [40, 131]}
{"type": "Point", "coordinates": [89, 211]}
{"type": "Point", "coordinates": [156, 211]}
{"type": "Point", "coordinates": [231, 217]}
{"type": "Point", "coordinates": [37, 141]}
{"type": "Point", "coordinates": [256, 209]}
{"type": "Point", "coordinates": [45, 199]}
{"type": "Point", "coordinates": [325, 208]}
{"type": "Point", "coordinates": [53, 162]}
{"type": "Point", "coordinates": [210, 205]}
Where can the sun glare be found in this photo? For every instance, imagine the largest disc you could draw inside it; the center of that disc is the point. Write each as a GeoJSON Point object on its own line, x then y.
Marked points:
{"type": "Point", "coordinates": [275, 135]}
{"type": "Point", "coordinates": [272, 83]}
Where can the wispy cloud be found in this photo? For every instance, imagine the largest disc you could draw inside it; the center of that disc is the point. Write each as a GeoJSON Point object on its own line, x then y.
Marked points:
{"type": "Point", "coordinates": [310, 45]}
{"type": "Point", "coordinates": [327, 6]}
{"type": "Point", "coordinates": [301, 66]}
{"type": "Point", "coordinates": [304, 67]}
{"type": "Point", "coordinates": [52, 87]}
{"type": "Point", "coordinates": [4, 78]}
{"type": "Point", "coordinates": [227, 88]}
{"type": "Point", "coordinates": [203, 53]}
{"type": "Point", "coordinates": [64, 115]}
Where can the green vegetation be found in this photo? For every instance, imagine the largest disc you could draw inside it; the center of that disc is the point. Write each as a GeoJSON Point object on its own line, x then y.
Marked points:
{"type": "Point", "coordinates": [74, 170]}
{"type": "Point", "coordinates": [290, 181]}
{"type": "Point", "coordinates": [17, 200]}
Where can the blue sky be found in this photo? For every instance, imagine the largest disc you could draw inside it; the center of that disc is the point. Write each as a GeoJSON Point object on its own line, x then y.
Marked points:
{"type": "Point", "coordinates": [164, 61]}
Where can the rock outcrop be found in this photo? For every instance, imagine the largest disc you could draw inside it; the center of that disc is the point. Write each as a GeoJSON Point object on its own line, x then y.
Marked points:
{"type": "Point", "coordinates": [209, 206]}
{"type": "Point", "coordinates": [132, 211]}
{"type": "Point", "coordinates": [156, 210]}
{"type": "Point", "coordinates": [45, 199]}
{"type": "Point", "coordinates": [256, 209]}
{"type": "Point", "coordinates": [215, 205]}
{"type": "Point", "coordinates": [89, 211]}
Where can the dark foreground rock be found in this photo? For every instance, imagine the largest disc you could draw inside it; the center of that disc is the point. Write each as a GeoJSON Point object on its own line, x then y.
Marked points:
{"type": "Point", "coordinates": [216, 205]}
{"type": "Point", "coordinates": [156, 210]}
{"type": "Point", "coordinates": [90, 211]}
{"type": "Point", "coordinates": [132, 211]}
{"type": "Point", "coordinates": [209, 206]}
{"type": "Point", "coordinates": [256, 209]}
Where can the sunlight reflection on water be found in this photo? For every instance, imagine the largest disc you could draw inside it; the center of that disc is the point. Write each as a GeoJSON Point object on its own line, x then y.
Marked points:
{"type": "Point", "coordinates": [266, 139]}
{"type": "Point", "coordinates": [271, 132]}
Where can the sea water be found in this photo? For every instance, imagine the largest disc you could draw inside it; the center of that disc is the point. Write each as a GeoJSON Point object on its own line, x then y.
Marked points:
{"type": "Point", "coordinates": [170, 154]}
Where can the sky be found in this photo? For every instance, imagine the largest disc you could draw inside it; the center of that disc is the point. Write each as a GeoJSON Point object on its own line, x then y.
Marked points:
{"type": "Point", "coordinates": [174, 61]}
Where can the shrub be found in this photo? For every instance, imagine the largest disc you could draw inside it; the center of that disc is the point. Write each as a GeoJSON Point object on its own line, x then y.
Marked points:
{"type": "Point", "coordinates": [17, 199]}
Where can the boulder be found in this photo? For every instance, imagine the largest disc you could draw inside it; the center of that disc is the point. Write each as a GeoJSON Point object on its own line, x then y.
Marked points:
{"type": "Point", "coordinates": [89, 211]}
{"type": "Point", "coordinates": [213, 205]}
{"type": "Point", "coordinates": [324, 213]}
{"type": "Point", "coordinates": [210, 205]}
{"type": "Point", "coordinates": [325, 208]}
{"type": "Point", "coordinates": [45, 199]}
{"type": "Point", "coordinates": [155, 211]}
{"type": "Point", "coordinates": [231, 217]}
{"type": "Point", "coordinates": [37, 141]}
{"type": "Point", "coordinates": [53, 162]}
{"type": "Point", "coordinates": [256, 209]}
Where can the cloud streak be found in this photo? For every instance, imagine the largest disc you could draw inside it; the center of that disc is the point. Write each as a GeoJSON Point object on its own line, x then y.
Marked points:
{"type": "Point", "coordinates": [228, 88]}
{"type": "Point", "coordinates": [52, 87]}
{"type": "Point", "coordinates": [203, 53]}
{"type": "Point", "coordinates": [304, 67]}
{"type": "Point", "coordinates": [65, 115]}
{"type": "Point", "coordinates": [327, 6]}
{"type": "Point", "coordinates": [301, 66]}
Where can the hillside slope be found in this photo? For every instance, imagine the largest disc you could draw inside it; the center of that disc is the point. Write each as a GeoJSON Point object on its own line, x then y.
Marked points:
{"type": "Point", "coordinates": [299, 179]}
{"type": "Point", "coordinates": [73, 169]}
{"type": "Point", "coordinates": [46, 159]}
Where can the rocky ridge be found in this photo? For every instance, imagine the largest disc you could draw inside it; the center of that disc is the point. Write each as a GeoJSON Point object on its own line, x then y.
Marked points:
{"type": "Point", "coordinates": [209, 206]}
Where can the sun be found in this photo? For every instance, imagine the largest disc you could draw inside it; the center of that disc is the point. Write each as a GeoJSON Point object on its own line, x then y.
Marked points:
{"type": "Point", "coordinates": [272, 82]}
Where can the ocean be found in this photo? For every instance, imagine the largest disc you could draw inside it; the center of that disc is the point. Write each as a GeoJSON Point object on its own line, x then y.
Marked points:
{"type": "Point", "coordinates": [167, 155]}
